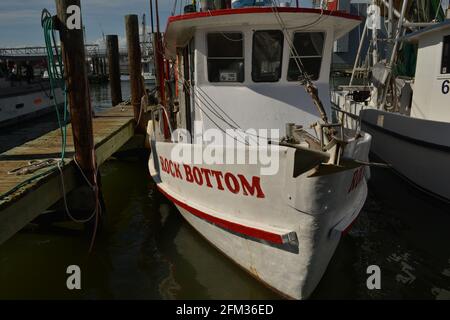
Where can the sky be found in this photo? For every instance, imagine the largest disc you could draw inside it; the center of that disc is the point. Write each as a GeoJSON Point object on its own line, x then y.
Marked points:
{"type": "Point", "coordinates": [20, 19]}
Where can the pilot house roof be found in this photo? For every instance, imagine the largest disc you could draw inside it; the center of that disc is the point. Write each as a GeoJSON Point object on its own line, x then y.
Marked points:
{"type": "Point", "coordinates": [180, 28]}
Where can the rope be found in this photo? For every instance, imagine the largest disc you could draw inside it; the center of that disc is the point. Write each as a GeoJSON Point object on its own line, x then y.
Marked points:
{"type": "Point", "coordinates": [66, 207]}
{"type": "Point", "coordinates": [306, 81]}
{"type": "Point", "coordinates": [55, 74]}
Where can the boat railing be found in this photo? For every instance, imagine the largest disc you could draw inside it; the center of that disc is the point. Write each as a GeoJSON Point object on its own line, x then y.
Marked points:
{"type": "Point", "coordinates": [346, 117]}
{"type": "Point", "coordinates": [161, 111]}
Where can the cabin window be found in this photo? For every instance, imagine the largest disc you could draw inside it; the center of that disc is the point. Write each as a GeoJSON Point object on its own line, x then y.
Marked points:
{"type": "Point", "coordinates": [267, 55]}
{"type": "Point", "coordinates": [225, 57]}
{"type": "Point", "coordinates": [445, 69]}
{"type": "Point", "coordinates": [308, 49]}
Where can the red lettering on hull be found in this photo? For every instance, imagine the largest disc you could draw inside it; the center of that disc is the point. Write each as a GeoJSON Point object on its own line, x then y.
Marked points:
{"type": "Point", "coordinates": [358, 176]}
{"type": "Point", "coordinates": [236, 184]}
{"type": "Point", "coordinates": [251, 189]}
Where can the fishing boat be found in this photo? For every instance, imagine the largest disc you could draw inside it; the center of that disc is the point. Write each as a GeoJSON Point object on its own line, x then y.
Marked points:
{"type": "Point", "coordinates": [408, 117]}
{"type": "Point", "coordinates": [259, 77]}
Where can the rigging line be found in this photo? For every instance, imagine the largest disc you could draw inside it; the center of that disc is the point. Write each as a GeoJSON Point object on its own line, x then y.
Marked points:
{"type": "Point", "coordinates": [217, 106]}
{"type": "Point", "coordinates": [438, 10]}
{"type": "Point", "coordinates": [283, 27]}
{"type": "Point", "coordinates": [235, 125]}
{"type": "Point", "coordinates": [201, 97]}
{"type": "Point", "coordinates": [226, 37]}
{"type": "Point", "coordinates": [316, 21]}
{"type": "Point", "coordinates": [321, 19]}
{"type": "Point", "coordinates": [213, 102]}
{"type": "Point", "coordinates": [240, 130]}
{"type": "Point", "coordinates": [297, 59]}
{"type": "Point", "coordinates": [219, 127]}
{"type": "Point", "coordinates": [308, 25]}
{"type": "Point", "coordinates": [310, 88]}
{"type": "Point", "coordinates": [188, 87]}
{"type": "Point", "coordinates": [174, 9]}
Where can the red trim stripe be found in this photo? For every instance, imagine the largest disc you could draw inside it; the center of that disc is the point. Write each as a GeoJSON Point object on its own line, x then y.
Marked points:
{"type": "Point", "coordinates": [195, 15]}
{"type": "Point", "coordinates": [232, 226]}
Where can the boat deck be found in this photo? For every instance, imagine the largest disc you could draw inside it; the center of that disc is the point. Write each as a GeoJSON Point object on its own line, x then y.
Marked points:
{"type": "Point", "coordinates": [112, 129]}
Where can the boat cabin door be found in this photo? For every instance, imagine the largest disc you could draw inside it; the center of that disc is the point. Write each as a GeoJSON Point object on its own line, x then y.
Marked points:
{"type": "Point", "coordinates": [188, 86]}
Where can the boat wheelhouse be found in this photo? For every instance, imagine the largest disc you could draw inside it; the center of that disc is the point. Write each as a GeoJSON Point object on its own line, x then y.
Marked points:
{"type": "Point", "coordinates": [241, 59]}
{"type": "Point", "coordinates": [255, 69]}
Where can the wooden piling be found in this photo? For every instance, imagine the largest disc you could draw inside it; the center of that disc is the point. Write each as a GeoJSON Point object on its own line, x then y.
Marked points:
{"type": "Point", "coordinates": [95, 65]}
{"type": "Point", "coordinates": [100, 63]}
{"type": "Point", "coordinates": [105, 68]}
{"type": "Point", "coordinates": [112, 42]}
{"type": "Point", "coordinates": [135, 68]}
{"type": "Point", "coordinates": [73, 53]}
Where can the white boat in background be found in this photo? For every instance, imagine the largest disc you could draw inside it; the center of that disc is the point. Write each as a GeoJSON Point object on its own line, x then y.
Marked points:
{"type": "Point", "coordinates": [148, 71]}
{"type": "Point", "coordinates": [410, 124]}
{"type": "Point", "coordinates": [148, 64]}
{"type": "Point", "coordinates": [416, 142]}
{"type": "Point", "coordinates": [125, 77]}
{"type": "Point", "coordinates": [22, 100]}
{"type": "Point", "coordinates": [238, 69]}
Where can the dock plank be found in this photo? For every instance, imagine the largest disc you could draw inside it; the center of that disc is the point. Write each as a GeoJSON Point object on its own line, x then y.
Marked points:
{"type": "Point", "coordinates": [112, 127]}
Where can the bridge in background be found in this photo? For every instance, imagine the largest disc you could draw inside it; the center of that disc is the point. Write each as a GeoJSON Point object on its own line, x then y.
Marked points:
{"type": "Point", "coordinates": [95, 55]}
{"type": "Point", "coordinates": [35, 53]}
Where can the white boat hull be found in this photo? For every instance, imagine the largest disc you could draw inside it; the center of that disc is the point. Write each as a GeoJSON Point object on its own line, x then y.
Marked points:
{"type": "Point", "coordinates": [417, 149]}
{"type": "Point", "coordinates": [16, 108]}
{"type": "Point", "coordinates": [285, 232]}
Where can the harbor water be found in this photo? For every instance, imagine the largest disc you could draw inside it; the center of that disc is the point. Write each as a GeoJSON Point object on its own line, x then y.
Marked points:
{"type": "Point", "coordinates": [145, 250]}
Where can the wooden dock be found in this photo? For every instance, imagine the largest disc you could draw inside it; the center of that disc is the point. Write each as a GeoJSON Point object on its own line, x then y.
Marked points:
{"type": "Point", "coordinates": [112, 129]}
